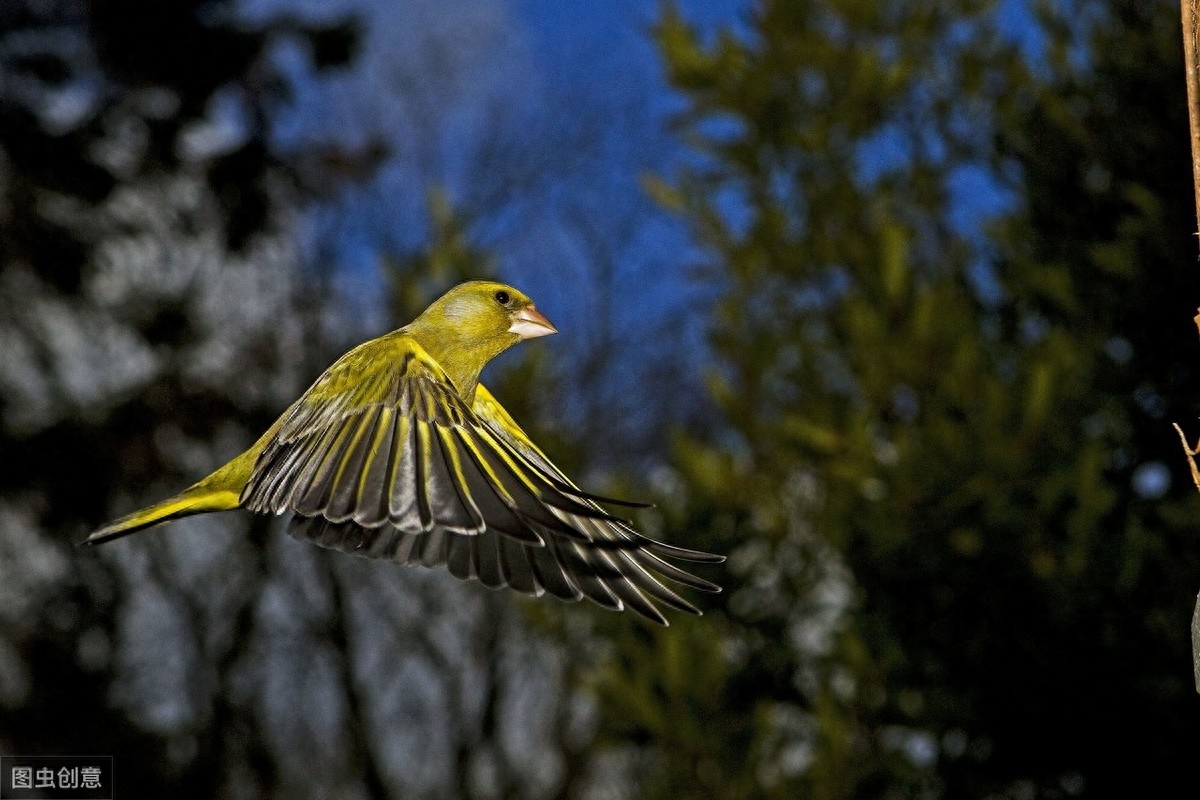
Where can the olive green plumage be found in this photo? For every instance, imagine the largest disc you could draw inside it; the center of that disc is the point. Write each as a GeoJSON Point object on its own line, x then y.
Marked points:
{"type": "Point", "coordinates": [397, 452]}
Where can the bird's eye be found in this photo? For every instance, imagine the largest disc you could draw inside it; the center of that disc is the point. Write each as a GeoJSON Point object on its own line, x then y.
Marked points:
{"type": "Point", "coordinates": [502, 297]}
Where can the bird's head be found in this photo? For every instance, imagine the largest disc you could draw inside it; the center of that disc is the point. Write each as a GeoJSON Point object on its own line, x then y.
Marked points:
{"type": "Point", "coordinates": [473, 323]}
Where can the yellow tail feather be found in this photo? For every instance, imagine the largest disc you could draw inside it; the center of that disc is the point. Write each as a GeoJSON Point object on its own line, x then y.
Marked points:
{"type": "Point", "coordinates": [196, 500]}
{"type": "Point", "coordinates": [218, 492]}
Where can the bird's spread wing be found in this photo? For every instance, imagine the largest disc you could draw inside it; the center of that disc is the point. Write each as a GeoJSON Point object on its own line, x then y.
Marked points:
{"type": "Point", "coordinates": [383, 458]}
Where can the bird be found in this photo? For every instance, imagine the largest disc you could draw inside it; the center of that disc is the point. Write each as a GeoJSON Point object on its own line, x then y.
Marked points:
{"type": "Point", "coordinates": [397, 452]}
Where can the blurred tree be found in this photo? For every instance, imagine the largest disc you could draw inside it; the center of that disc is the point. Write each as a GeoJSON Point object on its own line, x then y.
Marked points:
{"type": "Point", "coordinates": [1101, 257]}
{"type": "Point", "coordinates": [960, 561]}
{"type": "Point", "coordinates": [149, 328]}
{"type": "Point", "coordinates": [154, 321]}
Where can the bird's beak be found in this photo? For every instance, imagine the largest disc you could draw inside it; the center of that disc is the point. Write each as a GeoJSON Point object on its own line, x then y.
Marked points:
{"type": "Point", "coordinates": [529, 323]}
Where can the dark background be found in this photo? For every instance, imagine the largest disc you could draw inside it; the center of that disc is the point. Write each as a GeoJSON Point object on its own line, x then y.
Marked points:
{"type": "Point", "coordinates": [891, 302]}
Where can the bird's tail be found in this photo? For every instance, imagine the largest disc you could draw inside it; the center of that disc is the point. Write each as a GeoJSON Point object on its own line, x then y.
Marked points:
{"type": "Point", "coordinates": [220, 491]}
{"type": "Point", "coordinates": [199, 499]}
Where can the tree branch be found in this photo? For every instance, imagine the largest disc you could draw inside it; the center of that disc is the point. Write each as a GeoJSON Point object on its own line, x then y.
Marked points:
{"type": "Point", "coordinates": [362, 753]}
{"type": "Point", "coordinates": [1191, 36]}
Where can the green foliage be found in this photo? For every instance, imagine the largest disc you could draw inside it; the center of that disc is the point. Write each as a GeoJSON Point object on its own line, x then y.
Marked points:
{"type": "Point", "coordinates": [943, 571]}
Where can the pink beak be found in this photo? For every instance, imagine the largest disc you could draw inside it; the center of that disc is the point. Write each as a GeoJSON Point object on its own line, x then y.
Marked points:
{"type": "Point", "coordinates": [529, 323]}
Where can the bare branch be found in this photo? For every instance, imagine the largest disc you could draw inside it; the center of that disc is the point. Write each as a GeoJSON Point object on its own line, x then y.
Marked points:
{"type": "Point", "coordinates": [1191, 34]}
{"type": "Point", "coordinates": [1191, 454]}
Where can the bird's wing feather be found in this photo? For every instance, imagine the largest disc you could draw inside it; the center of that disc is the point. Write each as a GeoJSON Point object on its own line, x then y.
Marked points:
{"type": "Point", "coordinates": [614, 556]}
{"type": "Point", "coordinates": [400, 447]}
{"type": "Point", "coordinates": [383, 458]}
{"type": "Point", "coordinates": [488, 409]}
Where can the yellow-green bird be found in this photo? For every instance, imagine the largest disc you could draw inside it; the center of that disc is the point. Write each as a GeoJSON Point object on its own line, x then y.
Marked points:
{"type": "Point", "coordinates": [397, 452]}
